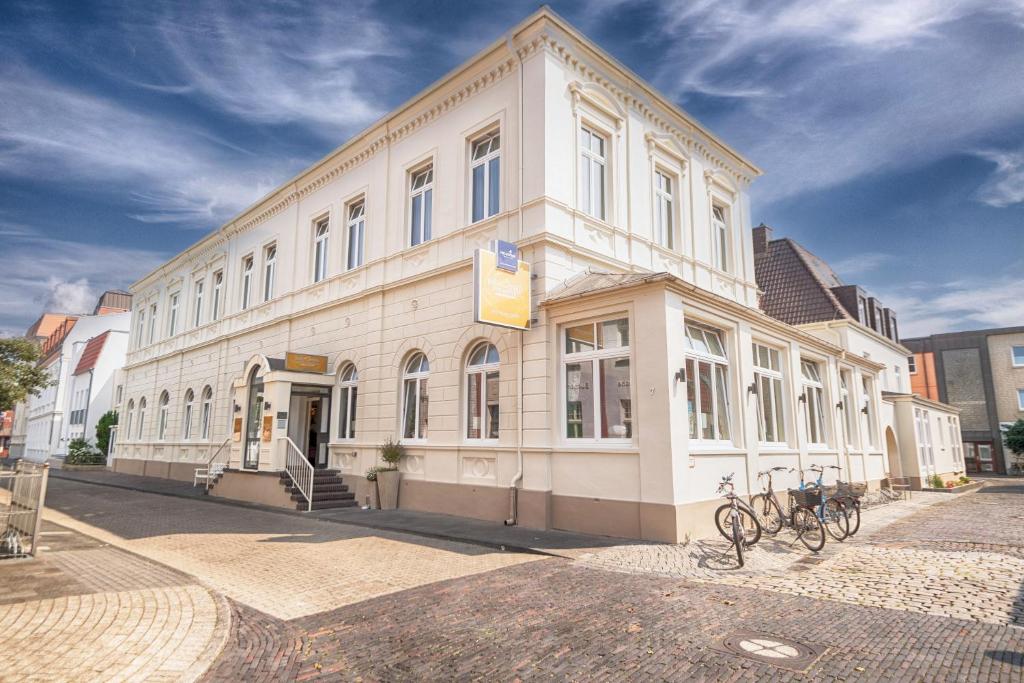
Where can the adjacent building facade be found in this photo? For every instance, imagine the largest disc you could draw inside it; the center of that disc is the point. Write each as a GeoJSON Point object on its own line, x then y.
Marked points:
{"type": "Point", "coordinates": [338, 312]}
{"type": "Point", "coordinates": [982, 373]}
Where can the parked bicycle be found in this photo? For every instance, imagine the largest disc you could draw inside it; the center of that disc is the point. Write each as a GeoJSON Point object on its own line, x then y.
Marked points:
{"type": "Point", "coordinates": [736, 520]}
{"type": "Point", "coordinates": [830, 511]}
{"type": "Point", "coordinates": [849, 495]}
{"type": "Point", "coordinates": [799, 514]}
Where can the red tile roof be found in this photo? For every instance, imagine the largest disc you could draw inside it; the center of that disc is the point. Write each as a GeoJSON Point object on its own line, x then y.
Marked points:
{"type": "Point", "coordinates": [91, 354]}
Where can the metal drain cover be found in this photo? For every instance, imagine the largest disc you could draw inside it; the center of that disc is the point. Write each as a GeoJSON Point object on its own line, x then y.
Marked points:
{"type": "Point", "coordinates": [770, 649]}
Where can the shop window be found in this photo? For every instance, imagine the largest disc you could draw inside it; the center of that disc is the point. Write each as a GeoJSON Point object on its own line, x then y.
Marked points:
{"type": "Point", "coordinates": [597, 381]}
{"type": "Point", "coordinates": [482, 413]}
{"type": "Point", "coordinates": [707, 384]}
{"type": "Point", "coordinates": [416, 401]}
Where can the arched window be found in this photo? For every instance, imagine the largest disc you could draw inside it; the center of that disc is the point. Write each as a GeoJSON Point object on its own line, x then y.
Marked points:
{"type": "Point", "coordinates": [130, 416]}
{"type": "Point", "coordinates": [206, 413]}
{"type": "Point", "coordinates": [142, 417]}
{"type": "Point", "coordinates": [186, 428]}
{"type": "Point", "coordinates": [161, 430]}
{"type": "Point", "coordinates": [416, 402]}
{"type": "Point", "coordinates": [482, 393]}
{"type": "Point", "coordinates": [347, 402]}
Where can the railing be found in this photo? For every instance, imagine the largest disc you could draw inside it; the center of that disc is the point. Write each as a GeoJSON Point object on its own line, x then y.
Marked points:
{"type": "Point", "coordinates": [300, 471]}
{"type": "Point", "coordinates": [212, 460]}
{"type": "Point", "coordinates": [22, 495]}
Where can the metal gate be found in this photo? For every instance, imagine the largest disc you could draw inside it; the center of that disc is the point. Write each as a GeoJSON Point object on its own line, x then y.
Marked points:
{"type": "Point", "coordinates": [22, 494]}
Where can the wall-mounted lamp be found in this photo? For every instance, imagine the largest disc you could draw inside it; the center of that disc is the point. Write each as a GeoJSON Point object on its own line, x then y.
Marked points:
{"type": "Point", "coordinates": [680, 375]}
{"type": "Point", "coordinates": [802, 398]}
{"type": "Point", "coordinates": [266, 406]}
{"type": "Point", "coordinates": [839, 406]}
{"type": "Point", "coordinates": [864, 410]}
{"type": "Point", "coordinates": [752, 389]}
{"type": "Point", "coordinates": [238, 408]}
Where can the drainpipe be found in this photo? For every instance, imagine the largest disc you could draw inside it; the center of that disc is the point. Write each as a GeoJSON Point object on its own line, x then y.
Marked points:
{"type": "Point", "coordinates": [513, 492]}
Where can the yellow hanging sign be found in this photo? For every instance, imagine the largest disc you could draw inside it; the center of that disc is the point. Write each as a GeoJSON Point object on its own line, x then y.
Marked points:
{"type": "Point", "coordinates": [500, 297]}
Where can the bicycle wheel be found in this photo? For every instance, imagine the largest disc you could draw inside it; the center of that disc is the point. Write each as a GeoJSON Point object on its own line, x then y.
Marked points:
{"type": "Point", "coordinates": [768, 513]}
{"type": "Point", "coordinates": [852, 506]}
{"type": "Point", "coordinates": [738, 537]}
{"type": "Point", "coordinates": [837, 522]}
{"type": "Point", "coordinates": [809, 529]}
{"type": "Point", "coordinates": [751, 527]}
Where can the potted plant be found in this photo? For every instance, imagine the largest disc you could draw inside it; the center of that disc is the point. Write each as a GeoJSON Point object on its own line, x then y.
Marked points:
{"type": "Point", "coordinates": [388, 477]}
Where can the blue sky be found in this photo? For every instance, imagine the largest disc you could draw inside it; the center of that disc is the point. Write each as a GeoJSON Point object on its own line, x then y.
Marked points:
{"type": "Point", "coordinates": [891, 134]}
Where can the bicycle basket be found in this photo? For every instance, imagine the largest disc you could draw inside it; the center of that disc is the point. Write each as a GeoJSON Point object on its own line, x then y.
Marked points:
{"type": "Point", "coordinates": [807, 498]}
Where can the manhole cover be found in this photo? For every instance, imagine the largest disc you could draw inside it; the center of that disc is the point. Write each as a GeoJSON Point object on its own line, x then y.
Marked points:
{"type": "Point", "coordinates": [770, 649]}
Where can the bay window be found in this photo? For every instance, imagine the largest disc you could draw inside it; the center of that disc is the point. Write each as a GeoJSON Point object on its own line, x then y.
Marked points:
{"type": "Point", "coordinates": [814, 402]}
{"type": "Point", "coordinates": [486, 176]}
{"type": "Point", "coordinates": [482, 414]}
{"type": "Point", "coordinates": [416, 401]}
{"type": "Point", "coordinates": [768, 381]}
{"type": "Point", "coordinates": [707, 384]}
{"type": "Point", "coordinates": [597, 381]}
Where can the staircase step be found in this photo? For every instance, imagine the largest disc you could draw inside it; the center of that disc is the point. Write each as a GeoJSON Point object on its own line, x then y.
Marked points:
{"type": "Point", "coordinates": [296, 496]}
{"type": "Point", "coordinates": [328, 504]}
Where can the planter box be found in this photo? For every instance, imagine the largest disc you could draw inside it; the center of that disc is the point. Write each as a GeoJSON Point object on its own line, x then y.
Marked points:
{"type": "Point", "coordinates": [388, 482]}
{"type": "Point", "coordinates": [962, 488]}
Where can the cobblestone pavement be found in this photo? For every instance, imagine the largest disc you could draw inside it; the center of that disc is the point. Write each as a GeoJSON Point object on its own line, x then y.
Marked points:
{"type": "Point", "coordinates": [86, 611]}
{"type": "Point", "coordinates": [283, 565]}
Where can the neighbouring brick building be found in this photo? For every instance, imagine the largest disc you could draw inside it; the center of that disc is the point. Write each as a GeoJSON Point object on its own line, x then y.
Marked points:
{"type": "Point", "coordinates": [982, 373]}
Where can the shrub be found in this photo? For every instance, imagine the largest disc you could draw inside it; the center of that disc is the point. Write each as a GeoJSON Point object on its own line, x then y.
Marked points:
{"type": "Point", "coordinates": [936, 482]}
{"type": "Point", "coordinates": [392, 453]}
{"type": "Point", "coordinates": [965, 480]}
{"type": "Point", "coordinates": [81, 452]}
{"type": "Point", "coordinates": [103, 425]}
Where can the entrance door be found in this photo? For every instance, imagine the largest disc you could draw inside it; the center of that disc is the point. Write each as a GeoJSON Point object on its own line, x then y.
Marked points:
{"type": "Point", "coordinates": [978, 457]}
{"type": "Point", "coordinates": [254, 418]}
{"type": "Point", "coordinates": [310, 423]}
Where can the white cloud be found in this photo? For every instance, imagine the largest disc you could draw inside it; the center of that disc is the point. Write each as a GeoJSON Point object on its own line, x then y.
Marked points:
{"type": "Point", "coordinates": [958, 305]}
{"type": "Point", "coordinates": [859, 264]}
{"type": "Point", "coordinates": [1006, 185]}
{"type": "Point", "coordinates": [69, 297]}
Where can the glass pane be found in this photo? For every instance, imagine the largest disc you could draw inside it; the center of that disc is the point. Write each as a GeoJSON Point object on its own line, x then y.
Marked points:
{"type": "Point", "coordinates": [478, 192]}
{"type": "Point", "coordinates": [473, 406]}
{"type": "Point", "coordinates": [696, 337]}
{"type": "Point", "coordinates": [579, 400]}
{"type": "Point", "coordinates": [494, 182]}
{"type": "Point", "coordinates": [613, 334]}
{"type": "Point", "coordinates": [616, 405]}
{"type": "Point", "coordinates": [343, 413]}
{"type": "Point", "coordinates": [417, 213]}
{"type": "Point", "coordinates": [767, 424]}
{"type": "Point", "coordinates": [707, 425]}
{"type": "Point", "coordinates": [427, 217]}
{"type": "Point", "coordinates": [773, 358]}
{"type": "Point", "coordinates": [409, 430]}
{"type": "Point", "coordinates": [424, 405]}
{"type": "Point", "coordinates": [722, 397]}
{"type": "Point", "coordinates": [585, 185]}
{"type": "Point", "coordinates": [491, 404]}
{"type": "Point", "coordinates": [492, 354]}
{"type": "Point", "coordinates": [579, 338]}
{"type": "Point", "coordinates": [353, 397]}
{"type": "Point", "coordinates": [780, 432]}
{"type": "Point", "coordinates": [599, 191]}
{"type": "Point", "coordinates": [479, 355]}
{"type": "Point", "coordinates": [495, 143]}
{"type": "Point", "coordinates": [691, 397]}
{"type": "Point", "coordinates": [597, 144]}
{"type": "Point", "coordinates": [714, 343]}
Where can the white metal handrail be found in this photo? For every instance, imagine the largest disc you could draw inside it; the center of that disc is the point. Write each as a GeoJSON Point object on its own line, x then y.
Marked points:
{"type": "Point", "coordinates": [208, 470]}
{"type": "Point", "coordinates": [301, 472]}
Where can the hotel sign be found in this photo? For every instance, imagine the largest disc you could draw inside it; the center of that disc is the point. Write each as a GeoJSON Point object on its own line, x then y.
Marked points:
{"type": "Point", "coordinates": [501, 287]}
{"type": "Point", "coordinates": [305, 362]}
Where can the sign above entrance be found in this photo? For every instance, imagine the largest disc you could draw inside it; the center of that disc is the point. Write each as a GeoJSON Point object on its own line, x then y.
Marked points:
{"type": "Point", "coordinates": [305, 362]}
{"type": "Point", "coordinates": [501, 297]}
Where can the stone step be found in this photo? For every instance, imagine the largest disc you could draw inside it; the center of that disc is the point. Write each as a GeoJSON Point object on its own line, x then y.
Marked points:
{"type": "Point", "coordinates": [328, 504]}
{"type": "Point", "coordinates": [319, 488]}
{"type": "Point", "coordinates": [296, 496]}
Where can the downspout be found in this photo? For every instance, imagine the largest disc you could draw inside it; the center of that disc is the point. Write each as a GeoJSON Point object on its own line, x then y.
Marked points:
{"type": "Point", "coordinates": [513, 492]}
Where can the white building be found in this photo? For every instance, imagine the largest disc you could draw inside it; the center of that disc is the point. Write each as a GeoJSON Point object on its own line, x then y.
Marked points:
{"type": "Point", "coordinates": [647, 374]}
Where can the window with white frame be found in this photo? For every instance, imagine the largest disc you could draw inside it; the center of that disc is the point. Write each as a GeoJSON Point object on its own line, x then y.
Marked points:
{"type": "Point", "coordinates": [770, 405]}
{"type": "Point", "coordinates": [912, 364]}
{"type": "Point", "coordinates": [593, 163]}
{"type": "Point", "coordinates": [597, 381]}
{"type": "Point", "coordinates": [186, 416]}
{"type": "Point", "coordinates": [347, 396]}
{"type": "Point", "coordinates": [197, 303]}
{"type": "Point", "coordinates": [720, 236]}
{"type": "Point", "coordinates": [416, 401]}
{"type": "Point", "coordinates": [482, 414]}
{"type": "Point", "coordinates": [321, 240]}
{"type": "Point", "coordinates": [172, 319]}
{"type": "Point", "coordinates": [247, 273]}
{"type": "Point", "coordinates": [140, 326]}
{"type": "Point", "coordinates": [421, 210]}
{"type": "Point", "coordinates": [206, 413]}
{"type": "Point", "coordinates": [1017, 355]}
{"type": "Point", "coordinates": [814, 402]}
{"type": "Point", "coordinates": [868, 410]}
{"type": "Point", "coordinates": [130, 416]}
{"type": "Point", "coordinates": [664, 217]}
{"type": "Point", "coordinates": [1020, 399]}
{"type": "Point", "coordinates": [955, 441]}
{"type": "Point", "coordinates": [356, 233]}
{"type": "Point", "coordinates": [707, 384]}
{"type": "Point", "coordinates": [218, 288]}
{"type": "Point", "coordinates": [269, 271]}
{"type": "Point", "coordinates": [152, 323]}
{"type": "Point", "coordinates": [485, 176]}
{"type": "Point", "coordinates": [162, 415]}
{"type": "Point", "coordinates": [849, 409]}
{"type": "Point", "coordinates": [142, 417]}
{"type": "Point", "coordinates": [898, 372]}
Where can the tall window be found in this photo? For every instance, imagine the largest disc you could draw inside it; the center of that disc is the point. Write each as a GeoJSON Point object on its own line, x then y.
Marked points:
{"type": "Point", "coordinates": [592, 170]}
{"type": "Point", "coordinates": [868, 409]}
{"type": "Point", "coordinates": [768, 378]}
{"type": "Point", "coordinates": [912, 364]}
{"type": "Point", "coordinates": [347, 396]}
{"type": "Point", "coordinates": [707, 384]}
{"type": "Point", "coordinates": [161, 430]}
{"type": "Point", "coordinates": [356, 230]}
{"type": "Point", "coordinates": [595, 369]}
{"type": "Point", "coordinates": [925, 451]}
{"type": "Point", "coordinates": [206, 414]}
{"type": "Point", "coordinates": [218, 288]}
{"type": "Point", "coordinates": [482, 393]}
{"type": "Point", "coordinates": [172, 321]}
{"type": "Point", "coordinates": [814, 402]}
{"type": "Point", "coordinates": [664, 222]}
{"type": "Point", "coordinates": [269, 271]}
{"type": "Point", "coordinates": [321, 236]}
{"type": "Point", "coordinates": [186, 432]}
{"type": "Point", "coordinates": [720, 236]}
{"type": "Point", "coordinates": [955, 441]}
{"type": "Point", "coordinates": [129, 418]}
{"type": "Point", "coordinates": [247, 268]}
{"type": "Point", "coordinates": [142, 417]}
{"type": "Point", "coordinates": [849, 409]}
{"type": "Point", "coordinates": [1017, 354]}
{"type": "Point", "coordinates": [140, 325]}
{"type": "Point", "coordinates": [486, 172]}
{"type": "Point", "coordinates": [862, 311]}
{"type": "Point", "coordinates": [416, 400]}
{"type": "Point", "coordinates": [152, 323]}
{"type": "Point", "coordinates": [197, 313]}
{"type": "Point", "coordinates": [421, 197]}
{"type": "Point", "coordinates": [1020, 399]}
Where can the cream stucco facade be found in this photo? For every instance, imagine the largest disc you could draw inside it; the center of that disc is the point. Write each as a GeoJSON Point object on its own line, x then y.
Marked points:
{"type": "Point", "coordinates": [594, 173]}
